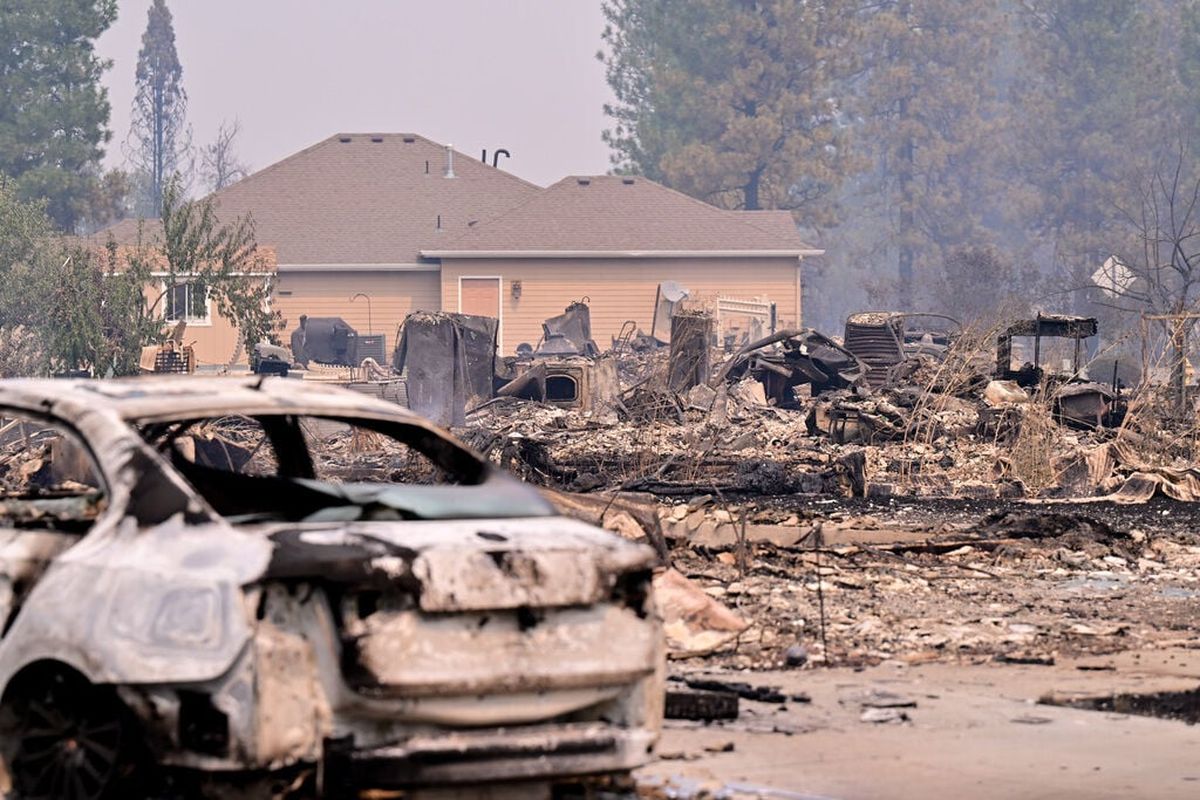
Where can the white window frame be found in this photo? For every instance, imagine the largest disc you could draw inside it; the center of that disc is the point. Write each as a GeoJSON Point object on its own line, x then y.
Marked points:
{"type": "Point", "coordinates": [199, 322]}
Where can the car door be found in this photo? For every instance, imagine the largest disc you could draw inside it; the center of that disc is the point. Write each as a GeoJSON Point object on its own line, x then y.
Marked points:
{"type": "Point", "coordinates": [51, 493]}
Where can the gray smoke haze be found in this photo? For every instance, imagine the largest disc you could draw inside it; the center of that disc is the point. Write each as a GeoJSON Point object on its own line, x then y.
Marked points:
{"type": "Point", "coordinates": [520, 75]}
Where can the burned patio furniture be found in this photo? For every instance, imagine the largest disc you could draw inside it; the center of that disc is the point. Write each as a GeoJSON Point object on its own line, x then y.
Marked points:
{"type": "Point", "coordinates": [1043, 326]}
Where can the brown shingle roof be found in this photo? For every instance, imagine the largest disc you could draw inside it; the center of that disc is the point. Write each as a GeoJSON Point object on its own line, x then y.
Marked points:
{"type": "Point", "coordinates": [363, 198]}
{"type": "Point", "coordinates": [610, 213]}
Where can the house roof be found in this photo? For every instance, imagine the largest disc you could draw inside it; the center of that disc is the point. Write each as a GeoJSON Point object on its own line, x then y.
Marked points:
{"type": "Point", "coordinates": [363, 199]}
{"type": "Point", "coordinates": [612, 214]}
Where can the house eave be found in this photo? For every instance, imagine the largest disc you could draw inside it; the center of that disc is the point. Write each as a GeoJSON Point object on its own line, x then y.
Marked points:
{"type": "Point", "coordinates": [789, 253]}
{"type": "Point", "coordinates": [357, 267]}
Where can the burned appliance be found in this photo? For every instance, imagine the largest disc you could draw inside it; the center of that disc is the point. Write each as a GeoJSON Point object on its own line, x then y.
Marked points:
{"type": "Point", "coordinates": [330, 341]}
{"type": "Point", "coordinates": [450, 363]}
{"type": "Point", "coordinates": [883, 339]}
{"type": "Point", "coordinates": [270, 359]}
{"type": "Point", "coordinates": [570, 382]}
{"type": "Point", "coordinates": [569, 334]}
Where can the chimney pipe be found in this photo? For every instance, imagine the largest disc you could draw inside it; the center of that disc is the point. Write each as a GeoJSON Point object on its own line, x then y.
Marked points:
{"type": "Point", "coordinates": [449, 161]}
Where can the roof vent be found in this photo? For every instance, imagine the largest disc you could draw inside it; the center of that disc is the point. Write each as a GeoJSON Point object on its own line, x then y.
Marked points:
{"type": "Point", "coordinates": [409, 139]}
{"type": "Point", "coordinates": [583, 181]}
{"type": "Point", "coordinates": [343, 139]}
{"type": "Point", "coordinates": [376, 139]}
{"type": "Point", "coordinates": [627, 181]}
{"type": "Point", "coordinates": [449, 161]}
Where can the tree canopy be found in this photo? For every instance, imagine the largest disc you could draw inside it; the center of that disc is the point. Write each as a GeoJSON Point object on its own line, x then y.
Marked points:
{"type": "Point", "coordinates": [911, 137]}
{"type": "Point", "coordinates": [737, 103]}
{"type": "Point", "coordinates": [68, 305]}
{"type": "Point", "coordinates": [53, 111]}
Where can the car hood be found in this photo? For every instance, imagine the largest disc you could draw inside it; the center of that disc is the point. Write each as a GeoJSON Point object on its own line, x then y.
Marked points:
{"type": "Point", "coordinates": [463, 565]}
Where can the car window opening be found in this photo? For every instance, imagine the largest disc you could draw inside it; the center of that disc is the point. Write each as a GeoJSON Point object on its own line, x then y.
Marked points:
{"type": "Point", "coordinates": [47, 478]}
{"type": "Point", "coordinates": [285, 467]}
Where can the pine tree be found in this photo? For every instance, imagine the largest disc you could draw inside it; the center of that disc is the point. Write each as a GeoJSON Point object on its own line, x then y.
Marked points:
{"type": "Point", "coordinates": [159, 143]}
{"type": "Point", "coordinates": [928, 117]}
{"type": "Point", "coordinates": [53, 110]}
{"type": "Point", "coordinates": [736, 103]}
{"type": "Point", "coordinates": [1093, 107]}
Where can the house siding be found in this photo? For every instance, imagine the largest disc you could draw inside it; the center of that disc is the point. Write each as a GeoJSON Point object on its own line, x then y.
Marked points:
{"type": "Point", "coordinates": [327, 294]}
{"type": "Point", "coordinates": [214, 342]}
{"type": "Point", "coordinates": [619, 289]}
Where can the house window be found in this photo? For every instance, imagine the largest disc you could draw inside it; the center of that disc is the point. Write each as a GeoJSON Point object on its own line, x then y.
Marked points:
{"type": "Point", "coordinates": [187, 302]}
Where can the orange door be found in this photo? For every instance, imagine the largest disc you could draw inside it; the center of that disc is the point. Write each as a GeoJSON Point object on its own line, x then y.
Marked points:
{"type": "Point", "coordinates": [480, 296]}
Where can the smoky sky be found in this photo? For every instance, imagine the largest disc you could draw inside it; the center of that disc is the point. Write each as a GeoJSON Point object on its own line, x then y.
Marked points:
{"type": "Point", "coordinates": [518, 74]}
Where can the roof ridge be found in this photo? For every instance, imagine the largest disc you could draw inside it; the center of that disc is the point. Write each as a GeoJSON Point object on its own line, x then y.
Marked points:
{"type": "Point", "coordinates": [273, 165]}
{"type": "Point", "coordinates": [703, 204]}
{"type": "Point", "coordinates": [471, 230]}
{"type": "Point", "coordinates": [761, 231]}
{"type": "Point", "coordinates": [342, 134]}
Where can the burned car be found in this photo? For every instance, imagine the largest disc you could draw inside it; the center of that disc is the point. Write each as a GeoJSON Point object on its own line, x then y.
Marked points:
{"type": "Point", "coordinates": [258, 576]}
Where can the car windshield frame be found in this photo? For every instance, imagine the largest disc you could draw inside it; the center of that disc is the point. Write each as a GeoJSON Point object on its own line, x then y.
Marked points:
{"type": "Point", "coordinates": [477, 490]}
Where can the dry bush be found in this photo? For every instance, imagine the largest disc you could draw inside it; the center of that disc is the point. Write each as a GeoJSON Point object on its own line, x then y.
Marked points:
{"type": "Point", "coordinates": [20, 354]}
{"type": "Point", "coordinates": [1035, 450]}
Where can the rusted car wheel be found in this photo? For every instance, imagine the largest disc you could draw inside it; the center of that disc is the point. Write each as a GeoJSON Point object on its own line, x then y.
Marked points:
{"type": "Point", "coordinates": [70, 740]}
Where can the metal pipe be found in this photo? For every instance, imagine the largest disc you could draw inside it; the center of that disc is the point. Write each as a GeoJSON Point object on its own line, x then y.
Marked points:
{"type": "Point", "coordinates": [370, 329]}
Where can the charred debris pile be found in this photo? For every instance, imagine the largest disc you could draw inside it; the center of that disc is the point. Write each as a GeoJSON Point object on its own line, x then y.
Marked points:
{"type": "Point", "coordinates": [823, 501]}
{"type": "Point", "coordinates": [903, 406]}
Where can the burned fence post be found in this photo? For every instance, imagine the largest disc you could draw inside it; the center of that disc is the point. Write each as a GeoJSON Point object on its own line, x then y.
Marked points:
{"type": "Point", "coordinates": [691, 362]}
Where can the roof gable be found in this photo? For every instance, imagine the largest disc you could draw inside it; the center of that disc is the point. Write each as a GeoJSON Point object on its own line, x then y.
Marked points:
{"type": "Point", "coordinates": [611, 213]}
{"type": "Point", "coordinates": [364, 198]}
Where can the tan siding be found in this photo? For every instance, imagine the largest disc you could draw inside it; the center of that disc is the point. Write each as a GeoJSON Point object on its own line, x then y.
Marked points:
{"type": "Point", "coordinates": [215, 344]}
{"type": "Point", "coordinates": [327, 294]}
{"type": "Point", "coordinates": [619, 289]}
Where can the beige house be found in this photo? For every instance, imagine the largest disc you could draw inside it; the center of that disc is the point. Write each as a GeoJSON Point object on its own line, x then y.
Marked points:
{"type": "Point", "coordinates": [612, 240]}
{"type": "Point", "coordinates": [370, 227]}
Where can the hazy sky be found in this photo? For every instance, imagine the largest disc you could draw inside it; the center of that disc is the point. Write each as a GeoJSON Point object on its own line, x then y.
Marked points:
{"type": "Point", "coordinates": [519, 74]}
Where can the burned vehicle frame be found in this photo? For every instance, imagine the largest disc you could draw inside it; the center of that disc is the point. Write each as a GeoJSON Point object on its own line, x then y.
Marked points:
{"type": "Point", "coordinates": [1077, 401]}
{"type": "Point", "coordinates": [376, 635]}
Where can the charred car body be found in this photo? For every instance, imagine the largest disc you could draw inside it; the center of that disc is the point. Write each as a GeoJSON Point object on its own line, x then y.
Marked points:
{"type": "Point", "coordinates": [1077, 401]}
{"type": "Point", "coordinates": [348, 590]}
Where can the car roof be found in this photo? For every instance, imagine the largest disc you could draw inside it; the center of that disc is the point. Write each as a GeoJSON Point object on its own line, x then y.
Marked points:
{"type": "Point", "coordinates": [162, 397]}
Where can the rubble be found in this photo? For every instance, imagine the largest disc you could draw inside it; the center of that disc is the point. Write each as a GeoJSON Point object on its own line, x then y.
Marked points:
{"type": "Point", "coordinates": [884, 340]}
{"type": "Point", "coordinates": [791, 358]}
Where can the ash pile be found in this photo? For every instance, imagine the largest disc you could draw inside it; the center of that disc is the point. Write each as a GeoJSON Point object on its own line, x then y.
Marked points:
{"type": "Point", "coordinates": [911, 493]}
{"type": "Point", "coordinates": [903, 406]}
